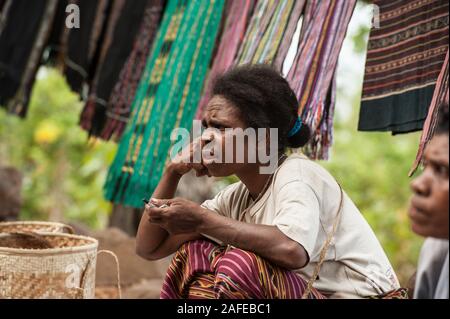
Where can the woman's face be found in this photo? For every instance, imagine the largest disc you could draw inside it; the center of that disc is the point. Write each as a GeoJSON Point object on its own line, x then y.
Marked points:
{"type": "Point", "coordinates": [222, 155]}
{"type": "Point", "coordinates": [429, 204]}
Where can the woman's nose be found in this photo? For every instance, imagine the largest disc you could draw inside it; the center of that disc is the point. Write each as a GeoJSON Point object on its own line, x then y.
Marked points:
{"type": "Point", "coordinates": [421, 185]}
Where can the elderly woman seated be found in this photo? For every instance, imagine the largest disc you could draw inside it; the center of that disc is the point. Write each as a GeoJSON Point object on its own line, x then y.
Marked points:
{"type": "Point", "coordinates": [283, 231]}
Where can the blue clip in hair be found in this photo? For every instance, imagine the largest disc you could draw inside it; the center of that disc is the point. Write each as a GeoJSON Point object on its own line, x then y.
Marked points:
{"type": "Point", "coordinates": [297, 127]}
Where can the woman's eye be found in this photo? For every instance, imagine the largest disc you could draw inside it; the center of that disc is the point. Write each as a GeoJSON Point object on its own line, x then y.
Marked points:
{"type": "Point", "coordinates": [219, 127]}
{"type": "Point", "coordinates": [442, 171]}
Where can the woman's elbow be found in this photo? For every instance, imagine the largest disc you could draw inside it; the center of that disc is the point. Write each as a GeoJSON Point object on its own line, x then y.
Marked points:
{"type": "Point", "coordinates": [141, 253]}
{"type": "Point", "coordinates": [144, 253]}
{"type": "Point", "coordinates": [296, 256]}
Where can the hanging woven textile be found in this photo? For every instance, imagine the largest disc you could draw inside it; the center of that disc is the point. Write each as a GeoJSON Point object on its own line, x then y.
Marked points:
{"type": "Point", "coordinates": [236, 23]}
{"type": "Point", "coordinates": [119, 105]}
{"type": "Point", "coordinates": [20, 57]}
{"type": "Point", "coordinates": [440, 97]}
{"type": "Point", "coordinates": [2, 4]}
{"type": "Point", "coordinates": [80, 47]}
{"type": "Point", "coordinates": [312, 76]}
{"type": "Point", "coordinates": [270, 32]}
{"type": "Point", "coordinates": [167, 97]}
{"type": "Point", "coordinates": [404, 59]}
{"type": "Point", "coordinates": [122, 26]}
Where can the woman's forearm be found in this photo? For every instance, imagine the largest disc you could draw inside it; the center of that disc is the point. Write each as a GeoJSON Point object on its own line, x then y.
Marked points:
{"type": "Point", "coordinates": [150, 236]}
{"type": "Point", "coordinates": [264, 240]}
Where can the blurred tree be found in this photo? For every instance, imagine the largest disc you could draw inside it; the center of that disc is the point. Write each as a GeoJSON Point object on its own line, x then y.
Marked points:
{"type": "Point", "coordinates": [63, 172]}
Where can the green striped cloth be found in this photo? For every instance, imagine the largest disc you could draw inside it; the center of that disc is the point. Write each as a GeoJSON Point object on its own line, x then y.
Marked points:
{"type": "Point", "coordinates": [167, 97]}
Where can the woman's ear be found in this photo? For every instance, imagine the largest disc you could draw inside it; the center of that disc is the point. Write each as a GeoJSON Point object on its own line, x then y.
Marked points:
{"type": "Point", "coordinates": [267, 139]}
{"type": "Point", "coordinates": [263, 140]}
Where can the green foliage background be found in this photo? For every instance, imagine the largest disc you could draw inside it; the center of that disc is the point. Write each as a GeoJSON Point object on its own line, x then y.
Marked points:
{"type": "Point", "coordinates": [63, 172]}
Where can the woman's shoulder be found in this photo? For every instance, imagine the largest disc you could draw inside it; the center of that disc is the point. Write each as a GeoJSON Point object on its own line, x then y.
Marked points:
{"type": "Point", "coordinates": [226, 200]}
{"type": "Point", "coordinates": [299, 168]}
{"type": "Point", "coordinates": [232, 190]}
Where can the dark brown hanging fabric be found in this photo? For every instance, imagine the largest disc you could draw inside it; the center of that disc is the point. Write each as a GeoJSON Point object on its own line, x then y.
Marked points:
{"type": "Point", "coordinates": [4, 11]}
{"type": "Point", "coordinates": [2, 4]}
{"type": "Point", "coordinates": [82, 44]}
{"type": "Point", "coordinates": [118, 108]}
{"type": "Point", "coordinates": [53, 50]}
{"type": "Point", "coordinates": [22, 41]}
{"type": "Point", "coordinates": [91, 56]}
{"type": "Point", "coordinates": [123, 23]}
{"type": "Point", "coordinates": [23, 19]}
{"type": "Point", "coordinates": [404, 58]}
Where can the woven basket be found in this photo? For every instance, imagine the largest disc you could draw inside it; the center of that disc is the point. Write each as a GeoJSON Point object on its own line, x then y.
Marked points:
{"type": "Point", "coordinates": [35, 226]}
{"type": "Point", "coordinates": [65, 271]}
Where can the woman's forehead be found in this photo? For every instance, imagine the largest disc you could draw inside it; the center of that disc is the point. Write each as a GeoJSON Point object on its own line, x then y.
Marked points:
{"type": "Point", "coordinates": [437, 149]}
{"type": "Point", "coordinates": [220, 110]}
{"type": "Point", "coordinates": [218, 106]}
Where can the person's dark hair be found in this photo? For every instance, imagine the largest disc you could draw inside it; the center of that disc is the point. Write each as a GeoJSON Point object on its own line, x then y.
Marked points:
{"type": "Point", "coordinates": [442, 124]}
{"type": "Point", "coordinates": [265, 100]}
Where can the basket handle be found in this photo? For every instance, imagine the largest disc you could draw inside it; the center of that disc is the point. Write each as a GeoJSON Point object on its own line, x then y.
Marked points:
{"type": "Point", "coordinates": [69, 229]}
{"type": "Point", "coordinates": [109, 252]}
{"type": "Point", "coordinates": [83, 276]}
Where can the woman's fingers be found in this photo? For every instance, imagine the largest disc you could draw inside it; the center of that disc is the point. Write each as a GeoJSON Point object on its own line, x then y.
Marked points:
{"type": "Point", "coordinates": [207, 137]}
{"type": "Point", "coordinates": [197, 158]}
{"type": "Point", "coordinates": [191, 158]}
{"type": "Point", "coordinates": [161, 202]}
{"type": "Point", "coordinates": [156, 214]}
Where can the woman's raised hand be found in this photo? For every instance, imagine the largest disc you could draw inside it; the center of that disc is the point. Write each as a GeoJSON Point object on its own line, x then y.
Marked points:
{"type": "Point", "coordinates": [190, 158]}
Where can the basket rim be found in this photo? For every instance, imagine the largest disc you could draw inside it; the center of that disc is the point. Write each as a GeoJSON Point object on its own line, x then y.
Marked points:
{"type": "Point", "coordinates": [32, 222]}
{"type": "Point", "coordinates": [51, 251]}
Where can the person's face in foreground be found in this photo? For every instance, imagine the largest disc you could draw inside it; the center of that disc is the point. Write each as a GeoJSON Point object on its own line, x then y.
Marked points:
{"type": "Point", "coordinates": [429, 208]}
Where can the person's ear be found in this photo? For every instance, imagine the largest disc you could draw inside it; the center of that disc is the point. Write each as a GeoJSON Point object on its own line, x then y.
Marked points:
{"type": "Point", "coordinates": [263, 140]}
{"type": "Point", "coordinates": [267, 139]}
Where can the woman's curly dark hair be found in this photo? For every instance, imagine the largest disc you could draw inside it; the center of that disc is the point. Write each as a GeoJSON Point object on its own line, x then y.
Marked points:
{"type": "Point", "coordinates": [265, 100]}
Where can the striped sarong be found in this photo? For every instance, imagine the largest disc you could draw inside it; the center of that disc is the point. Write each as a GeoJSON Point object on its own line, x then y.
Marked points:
{"type": "Point", "coordinates": [406, 50]}
{"type": "Point", "coordinates": [312, 76]}
{"type": "Point", "coordinates": [268, 38]}
{"type": "Point", "coordinates": [235, 25]}
{"type": "Point", "coordinates": [203, 270]}
{"type": "Point", "coordinates": [270, 32]}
